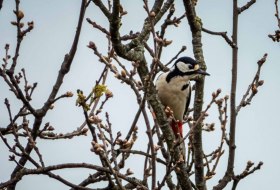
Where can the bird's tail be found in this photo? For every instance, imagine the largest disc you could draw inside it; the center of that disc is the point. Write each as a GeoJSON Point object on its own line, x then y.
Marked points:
{"type": "Point", "coordinates": [177, 127]}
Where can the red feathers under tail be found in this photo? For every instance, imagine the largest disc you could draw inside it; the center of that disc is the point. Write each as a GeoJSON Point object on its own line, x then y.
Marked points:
{"type": "Point", "coordinates": [177, 127]}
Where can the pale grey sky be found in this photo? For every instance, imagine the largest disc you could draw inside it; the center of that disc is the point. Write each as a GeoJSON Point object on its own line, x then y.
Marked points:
{"type": "Point", "coordinates": [43, 51]}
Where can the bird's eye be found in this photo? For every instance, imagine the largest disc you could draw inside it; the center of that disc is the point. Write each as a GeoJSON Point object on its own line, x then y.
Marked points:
{"type": "Point", "coordinates": [191, 67]}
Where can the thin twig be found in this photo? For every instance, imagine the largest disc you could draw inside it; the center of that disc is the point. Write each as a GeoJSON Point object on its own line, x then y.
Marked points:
{"type": "Point", "coordinates": [201, 117]}
{"type": "Point", "coordinates": [247, 6]}
{"type": "Point", "coordinates": [277, 13]}
{"type": "Point", "coordinates": [151, 144]}
{"type": "Point", "coordinates": [248, 170]}
{"type": "Point", "coordinates": [222, 34]}
{"type": "Point", "coordinates": [253, 87]}
{"type": "Point", "coordinates": [176, 56]}
{"type": "Point", "coordinates": [138, 152]}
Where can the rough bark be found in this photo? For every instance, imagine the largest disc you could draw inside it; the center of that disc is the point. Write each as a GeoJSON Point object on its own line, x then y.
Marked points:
{"type": "Point", "coordinates": [196, 28]}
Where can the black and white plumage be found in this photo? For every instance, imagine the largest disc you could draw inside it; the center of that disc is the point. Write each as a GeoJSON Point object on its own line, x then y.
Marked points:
{"type": "Point", "coordinates": [174, 88]}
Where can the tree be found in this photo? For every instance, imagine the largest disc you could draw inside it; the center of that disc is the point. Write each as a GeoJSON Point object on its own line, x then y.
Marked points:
{"type": "Point", "coordinates": [134, 59]}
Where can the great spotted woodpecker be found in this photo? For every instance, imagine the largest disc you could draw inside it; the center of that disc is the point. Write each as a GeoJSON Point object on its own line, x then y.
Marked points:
{"type": "Point", "coordinates": [174, 89]}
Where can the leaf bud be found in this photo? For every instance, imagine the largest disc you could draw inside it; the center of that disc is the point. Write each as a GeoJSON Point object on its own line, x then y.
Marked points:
{"type": "Point", "coordinates": [212, 127]}
{"type": "Point", "coordinates": [184, 48]}
{"type": "Point", "coordinates": [220, 101]}
{"type": "Point", "coordinates": [129, 172]}
{"type": "Point", "coordinates": [250, 163]}
{"type": "Point", "coordinates": [166, 42]}
{"type": "Point", "coordinates": [214, 94]}
{"type": "Point", "coordinates": [50, 134]}
{"type": "Point", "coordinates": [30, 24]}
{"type": "Point", "coordinates": [50, 128]}
{"type": "Point", "coordinates": [84, 131]}
{"type": "Point", "coordinates": [51, 106]}
{"type": "Point", "coordinates": [108, 94]}
{"type": "Point", "coordinates": [119, 134]}
{"type": "Point", "coordinates": [262, 60]}
{"type": "Point", "coordinates": [254, 89]}
{"type": "Point", "coordinates": [152, 14]}
{"type": "Point", "coordinates": [69, 94]}
{"type": "Point", "coordinates": [20, 14]}
{"type": "Point", "coordinates": [91, 45]}
{"type": "Point", "coordinates": [118, 76]}
{"type": "Point", "coordinates": [14, 23]}
{"type": "Point", "coordinates": [94, 119]}
{"type": "Point", "coordinates": [135, 128]}
{"type": "Point", "coordinates": [7, 46]}
{"type": "Point", "coordinates": [123, 73]}
{"type": "Point", "coordinates": [226, 97]}
{"type": "Point", "coordinates": [21, 25]}
{"type": "Point", "coordinates": [260, 83]}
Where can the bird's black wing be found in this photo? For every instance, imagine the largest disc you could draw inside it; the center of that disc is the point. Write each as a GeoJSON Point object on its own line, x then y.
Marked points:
{"type": "Point", "coordinates": [188, 99]}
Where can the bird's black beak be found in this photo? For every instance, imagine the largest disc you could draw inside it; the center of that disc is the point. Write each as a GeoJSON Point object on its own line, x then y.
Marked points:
{"type": "Point", "coordinates": [202, 72]}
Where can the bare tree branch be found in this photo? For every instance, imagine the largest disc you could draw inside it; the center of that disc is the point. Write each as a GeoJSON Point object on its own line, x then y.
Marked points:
{"type": "Point", "coordinates": [196, 28]}
{"type": "Point", "coordinates": [248, 170]}
{"type": "Point", "coordinates": [247, 6]}
{"type": "Point", "coordinates": [253, 87]}
{"type": "Point", "coordinates": [276, 36]}
{"type": "Point", "coordinates": [223, 34]}
{"type": "Point", "coordinates": [45, 170]}
{"type": "Point", "coordinates": [231, 158]}
{"type": "Point", "coordinates": [65, 67]}
{"type": "Point", "coordinates": [102, 8]}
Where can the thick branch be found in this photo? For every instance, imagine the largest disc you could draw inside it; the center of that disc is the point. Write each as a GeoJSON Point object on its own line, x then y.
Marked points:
{"type": "Point", "coordinates": [231, 158]}
{"type": "Point", "coordinates": [196, 28]}
{"type": "Point", "coordinates": [102, 8]}
{"type": "Point", "coordinates": [233, 91]}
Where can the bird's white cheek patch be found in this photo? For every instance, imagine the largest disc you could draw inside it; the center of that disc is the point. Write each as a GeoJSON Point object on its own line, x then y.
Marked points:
{"type": "Point", "coordinates": [182, 66]}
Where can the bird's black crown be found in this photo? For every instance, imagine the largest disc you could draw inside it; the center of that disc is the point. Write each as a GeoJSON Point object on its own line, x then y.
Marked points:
{"type": "Point", "coordinates": [187, 60]}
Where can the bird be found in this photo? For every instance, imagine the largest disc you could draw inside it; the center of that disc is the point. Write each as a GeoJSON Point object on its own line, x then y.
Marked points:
{"type": "Point", "coordinates": [174, 89]}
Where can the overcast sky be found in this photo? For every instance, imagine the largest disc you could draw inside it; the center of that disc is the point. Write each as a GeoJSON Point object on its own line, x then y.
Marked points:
{"type": "Point", "coordinates": [44, 48]}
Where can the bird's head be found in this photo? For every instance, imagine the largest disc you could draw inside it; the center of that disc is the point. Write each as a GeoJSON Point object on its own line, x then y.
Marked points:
{"type": "Point", "coordinates": [186, 66]}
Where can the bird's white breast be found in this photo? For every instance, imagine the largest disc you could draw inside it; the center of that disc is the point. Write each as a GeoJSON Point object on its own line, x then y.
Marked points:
{"type": "Point", "coordinates": [172, 95]}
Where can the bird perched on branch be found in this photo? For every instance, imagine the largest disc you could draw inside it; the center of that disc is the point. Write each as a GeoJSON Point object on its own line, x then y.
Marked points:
{"type": "Point", "coordinates": [174, 89]}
